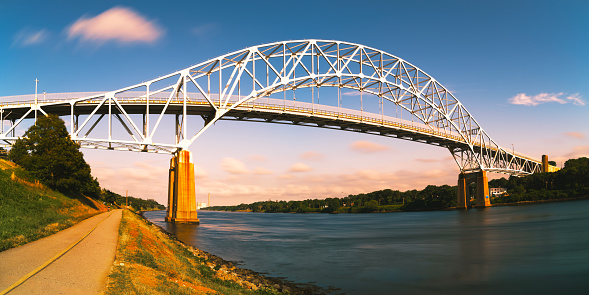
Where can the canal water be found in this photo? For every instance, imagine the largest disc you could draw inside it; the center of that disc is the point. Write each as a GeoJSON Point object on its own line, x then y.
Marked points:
{"type": "Point", "coordinates": [532, 249]}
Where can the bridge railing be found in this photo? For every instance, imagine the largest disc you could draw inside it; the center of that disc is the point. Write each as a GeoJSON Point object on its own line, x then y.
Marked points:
{"type": "Point", "coordinates": [260, 104]}
{"type": "Point", "coordinates": [265, 103]}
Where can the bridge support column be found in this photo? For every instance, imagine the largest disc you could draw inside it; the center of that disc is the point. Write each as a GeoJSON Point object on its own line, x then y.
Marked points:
{"type": "Point", "coordinates": [482, 191]}
{"type": "Point", "coordinates": [482, 197]}
{"type": "Point", "coordinates": [181, 192]}
{"type": "Point", "coordinates": [545, 163]}
{"type": "Point", "coordinates": [461, 201]}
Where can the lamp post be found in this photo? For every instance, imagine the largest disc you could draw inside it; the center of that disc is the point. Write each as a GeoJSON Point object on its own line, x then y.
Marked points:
{"type": "Point", "coordinates": [36, 82]}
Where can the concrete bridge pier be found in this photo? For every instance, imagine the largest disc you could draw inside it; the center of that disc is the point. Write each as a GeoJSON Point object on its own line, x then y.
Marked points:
{"type": "Point", "coordinates": [181, 192]}
{"type": "Point", "coordinates": [482, 191]}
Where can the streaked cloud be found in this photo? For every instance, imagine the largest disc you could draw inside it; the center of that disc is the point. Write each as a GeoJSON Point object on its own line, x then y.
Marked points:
{"type": "Point", "coordinates": [299, 167]}
{"type": "Point", "coordinates": [262, 171]}
{"type": "Point", "coordinates": [562, 98]}
{"type": "Point", "coordinates": [259, 158]}
{"type": "Point", "coordinates": [578, 135]}
{"type": "Point", "coordinates": [578, 152]}
{"type": "Point", "coordinates": [368, 147]}
{"type": "Point", "coordinates": [312, 155]}
{"type": "Point", "coordinates": [427, 160]}
{"type": "Point", "coordinates": [28, 37]}
{"type": "Point", "coordinates": [120, 24]}
{"type": "Point", "coordinates": [200, 172]}
{"type": "Point", "coordinates": [233, 166]}
{"type": "Point", "coordinates": [434, 160]}
{"type": "Point", "coordinates": [133, 179]}
{"type": "Point", "coordinates": [204, 29]}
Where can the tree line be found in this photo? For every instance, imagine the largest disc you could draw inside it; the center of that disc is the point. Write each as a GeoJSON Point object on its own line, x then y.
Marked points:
{"type": "Point", "coordinates": [570, 182]}
{"type": "Point", "coordinates": [47, 152]}
{"type": "Point", "coordinates": [136, 204]}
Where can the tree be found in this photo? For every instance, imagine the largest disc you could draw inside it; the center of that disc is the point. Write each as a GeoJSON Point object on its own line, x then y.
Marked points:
{"type": "Point", "coordinates": [51, 156]}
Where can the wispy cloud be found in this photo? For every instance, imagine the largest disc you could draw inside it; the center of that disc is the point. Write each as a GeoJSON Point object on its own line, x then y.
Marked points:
{"type": "Point", "coordinates": [312, 155]}
{"type": "Point", "coordinates": [28, 37]}
{"type": "Point", "coordinates": [434, 160]}
{"type": "Point", "coordinates": [120, 24]}
{"type": "Point", "coordinates": [204, 29]}
{"type": "Point", "coordinates": [134, 178]}
{"type": "Point", "coordinates": [577, 135]}
{"type": "Point", "coordinates": [200, 173]}
{"type": "Point", "coordinates": [259, 158]}
{"type": "Point", "coordinates": [233, 166]}
{"type": "Point", "coordinates": [562, 98]}
{"type": "Point", "coordinates": [368, 147]}
{"type": "Point", "coordinates": [262, 171]}
{"type": "Point", "coordinates": [299, 167]}
{"type": "Point", "coordinates": [578, 151]}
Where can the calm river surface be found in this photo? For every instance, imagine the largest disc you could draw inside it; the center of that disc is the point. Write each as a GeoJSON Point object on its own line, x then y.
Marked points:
{"type": "Point", "coordinates": [533, 249]}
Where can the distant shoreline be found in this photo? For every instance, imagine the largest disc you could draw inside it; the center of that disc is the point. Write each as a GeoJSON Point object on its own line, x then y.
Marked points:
{"type": "Point", "coordinates": [520, 203]}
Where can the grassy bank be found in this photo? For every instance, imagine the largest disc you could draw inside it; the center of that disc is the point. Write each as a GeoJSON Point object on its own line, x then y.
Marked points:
{"type": "Point", "coordinates": [148, 261]}
{"type": "Point", "coordinates": [30, 211]}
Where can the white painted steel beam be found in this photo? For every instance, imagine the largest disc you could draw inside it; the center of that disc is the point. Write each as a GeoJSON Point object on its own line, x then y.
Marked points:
{"type": "Point", "coordinates": [255, 73]}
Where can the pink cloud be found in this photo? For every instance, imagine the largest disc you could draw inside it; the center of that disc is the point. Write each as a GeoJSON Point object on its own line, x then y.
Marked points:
{"type": "Point", "coordinates": [233, 166]}
{"type": "Point", "coordinates": [259, 158]}
{"type": "Point", "coordinates": [578, 135]}
{"type": "Point", "coordinates": [200, 172]}
{"type": "Point", "coordinates": [133, 179]}
{"type": "Point", "coordinates": [119, 24]}
{"type": "Point", "coordinates": [299, 167]}
{"type": "Point", "coordinates": [523, 99]}
{"type": "Point", "coordinates": [427, 160]}
{"type": "Point", "coordinates": [262, 171]}
{"type": "Point", "coordinates": [578, 151]}
{"type": "Point", "coordinates": [312, 155]}
{"type": "Point", "coordinates": [365, 146]}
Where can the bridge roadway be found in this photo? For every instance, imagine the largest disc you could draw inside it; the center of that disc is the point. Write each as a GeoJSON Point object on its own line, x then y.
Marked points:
{"type": "Point", "coordinates": [268, 110]}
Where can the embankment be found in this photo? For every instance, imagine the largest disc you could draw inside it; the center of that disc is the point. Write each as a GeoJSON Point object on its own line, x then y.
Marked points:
{"type": "Point", "coordinates": [150, 261]}
{"type": "Point", "coordinates": [30, 211]}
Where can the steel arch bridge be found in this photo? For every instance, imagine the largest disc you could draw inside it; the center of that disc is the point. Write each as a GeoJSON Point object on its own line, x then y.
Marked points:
{"type": "Point", "coordinates": [245, 84]}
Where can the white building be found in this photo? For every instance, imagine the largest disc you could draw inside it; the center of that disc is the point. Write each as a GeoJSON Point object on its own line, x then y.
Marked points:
{"type": "Point", "coordinates": [496, 191]}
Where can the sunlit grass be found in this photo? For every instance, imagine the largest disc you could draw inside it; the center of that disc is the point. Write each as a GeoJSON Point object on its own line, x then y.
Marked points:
{"type": "Point", "coordinates": [30, 211]}
{"type": "Point", "coordinates": [150, 262]}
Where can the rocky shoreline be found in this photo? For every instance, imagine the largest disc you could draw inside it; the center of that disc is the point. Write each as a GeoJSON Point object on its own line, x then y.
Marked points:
{"type": "Point", "coordinates": [227, 270]}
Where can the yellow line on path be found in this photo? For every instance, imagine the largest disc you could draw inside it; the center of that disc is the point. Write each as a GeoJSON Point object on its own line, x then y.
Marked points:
{"type": "Point", "coordinates": [38, 269]}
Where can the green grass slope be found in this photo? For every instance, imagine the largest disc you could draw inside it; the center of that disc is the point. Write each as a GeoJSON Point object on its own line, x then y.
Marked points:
{"type": "Point", "coordinates": [30, 211]}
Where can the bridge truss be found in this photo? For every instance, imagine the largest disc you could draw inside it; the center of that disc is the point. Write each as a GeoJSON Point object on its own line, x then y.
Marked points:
{"type": "Point", "coordinates": [245, 85]}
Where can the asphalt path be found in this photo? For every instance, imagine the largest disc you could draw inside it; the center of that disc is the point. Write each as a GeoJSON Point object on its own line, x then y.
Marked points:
{"type": "Point", "coordinates": [83, 269]}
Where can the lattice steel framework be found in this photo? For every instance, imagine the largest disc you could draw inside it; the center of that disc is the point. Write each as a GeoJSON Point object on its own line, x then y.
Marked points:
{"type": "Point", "coordinates": [231, 87]}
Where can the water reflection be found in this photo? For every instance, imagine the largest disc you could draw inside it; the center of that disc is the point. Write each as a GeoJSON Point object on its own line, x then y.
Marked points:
{"type": "Point", "coordinates": [509, 250]}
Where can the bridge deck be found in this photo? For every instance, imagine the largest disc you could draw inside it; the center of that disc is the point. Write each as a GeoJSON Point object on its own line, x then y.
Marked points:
{"type": "Point", "coordinates": [261, 110]}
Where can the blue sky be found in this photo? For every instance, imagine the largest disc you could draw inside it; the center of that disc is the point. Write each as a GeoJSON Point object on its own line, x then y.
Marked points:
{"type": "Point", "coordinates": [520, 68]}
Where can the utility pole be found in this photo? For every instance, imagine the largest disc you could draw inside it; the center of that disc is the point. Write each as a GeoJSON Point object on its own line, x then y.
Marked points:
{"type": "Point", "coordinates": [127, 199]}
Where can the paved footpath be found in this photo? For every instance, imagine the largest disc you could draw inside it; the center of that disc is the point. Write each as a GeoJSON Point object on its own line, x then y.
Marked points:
{"type": "Point", "coordinates": [81, 270]}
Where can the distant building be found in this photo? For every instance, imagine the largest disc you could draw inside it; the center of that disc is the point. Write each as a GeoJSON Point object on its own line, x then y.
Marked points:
{"type": "Point", "coordinates": [496, 191]}
{"type": "Point", "coordinates": [200, 205]}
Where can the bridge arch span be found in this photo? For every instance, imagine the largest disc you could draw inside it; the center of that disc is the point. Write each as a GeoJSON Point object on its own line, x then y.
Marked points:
{"type": "Point", "coordinates": [231, 86]}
